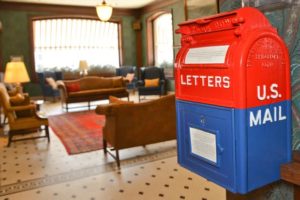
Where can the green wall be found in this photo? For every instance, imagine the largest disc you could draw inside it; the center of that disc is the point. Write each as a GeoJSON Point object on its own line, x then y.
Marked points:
{"type": "Point", "coordinates": [129, 41]}
{"type": "Point", "coordinates": [15, 35]}
{"type": "Point", "coordinates": [14, 40]}
{"type": "Point", "coordinates": [178, 17]}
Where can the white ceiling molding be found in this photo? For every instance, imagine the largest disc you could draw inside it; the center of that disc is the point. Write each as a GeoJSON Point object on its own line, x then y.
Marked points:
{"type": "Point", "coordinates": [129, 4]}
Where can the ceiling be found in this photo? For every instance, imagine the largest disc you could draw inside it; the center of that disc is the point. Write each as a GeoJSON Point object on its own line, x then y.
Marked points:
{"type": "Point", "coordinates": [129, 4]}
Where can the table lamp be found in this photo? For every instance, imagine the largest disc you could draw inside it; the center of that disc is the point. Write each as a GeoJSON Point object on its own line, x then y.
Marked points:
{"type": "Point", "coordinates": [16, 72]}
{"type": "Point", "coordinates": [83, 67]}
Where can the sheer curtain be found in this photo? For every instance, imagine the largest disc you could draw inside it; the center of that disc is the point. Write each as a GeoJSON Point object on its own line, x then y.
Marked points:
{"type": "Point", "coordinates": [163, 39]}
{"type": "Point", "coordinates": [63, 42]}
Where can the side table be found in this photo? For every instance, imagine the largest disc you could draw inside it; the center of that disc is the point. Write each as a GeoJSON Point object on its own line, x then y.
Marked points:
{"type": "Point", "coordinates": [38, 104]}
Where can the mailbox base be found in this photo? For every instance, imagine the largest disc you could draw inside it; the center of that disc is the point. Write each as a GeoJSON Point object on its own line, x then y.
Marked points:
{"type": "Point", "coordinates": [239, 149]}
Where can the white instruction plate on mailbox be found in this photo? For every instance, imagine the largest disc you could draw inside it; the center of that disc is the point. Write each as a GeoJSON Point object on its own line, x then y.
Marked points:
{"type": "Point", "coordinates": [203, 144]}
{"type": "Point", "coordinates": [207, 55]}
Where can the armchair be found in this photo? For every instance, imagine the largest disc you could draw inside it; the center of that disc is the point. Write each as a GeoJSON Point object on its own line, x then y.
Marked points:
{"type": "Point", "coordinates": [138, 124]}
{"type": "Point", "coordinates": [47, 89]}
{"type": "Point", "coordinates": [21, 118]}
{"type": "Point", "coordinates": [124, 70]}
{"type": "Point", "coordinates": [151, 73]}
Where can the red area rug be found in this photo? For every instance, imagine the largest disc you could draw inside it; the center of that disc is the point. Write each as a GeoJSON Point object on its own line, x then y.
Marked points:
{"type": "Point", "coordinates": [79, 131]}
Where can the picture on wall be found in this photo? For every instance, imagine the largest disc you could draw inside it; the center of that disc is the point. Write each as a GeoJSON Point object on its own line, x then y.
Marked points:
{"type": "Point", "coordinates": [266, 5]}
{"type": "Point", "coordinates": [199, 8]}
{"type": "Point", "coordinates": [258, 3]}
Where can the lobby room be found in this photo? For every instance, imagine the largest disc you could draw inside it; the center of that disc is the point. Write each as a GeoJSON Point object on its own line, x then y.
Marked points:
{"type": "Point", "coordinates": [99, 101]}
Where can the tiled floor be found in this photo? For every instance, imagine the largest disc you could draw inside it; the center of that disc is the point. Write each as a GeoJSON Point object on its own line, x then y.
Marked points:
{"type": "Point", "coordinates": [34, 169]}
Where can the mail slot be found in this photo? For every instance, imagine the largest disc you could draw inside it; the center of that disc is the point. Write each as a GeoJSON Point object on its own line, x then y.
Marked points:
{"type": "Point", "coordinates": [233, 100]}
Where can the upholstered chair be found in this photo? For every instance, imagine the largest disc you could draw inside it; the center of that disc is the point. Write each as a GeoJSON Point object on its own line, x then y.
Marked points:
{"type": "Point", "coordinates": [47, 83]}
{"type": "Point", "coordinates": [129, 73]}
{"type": "Point", "coordinates": [22, 117]}
{"type": "Point", "coordinates": [152, 81]}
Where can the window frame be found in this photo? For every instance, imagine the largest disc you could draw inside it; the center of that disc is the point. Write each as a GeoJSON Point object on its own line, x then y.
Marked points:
{"type": "Point", "coordinates": [150, 35]}
{"type": "Point", "coordinates": [46, 17]}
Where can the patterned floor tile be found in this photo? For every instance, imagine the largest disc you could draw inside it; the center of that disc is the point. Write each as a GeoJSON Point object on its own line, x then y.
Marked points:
{"type": "Point", "coordinates": [36, 169]}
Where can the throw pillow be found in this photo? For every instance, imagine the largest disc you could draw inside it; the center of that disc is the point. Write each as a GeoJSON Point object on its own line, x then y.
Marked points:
{"type": "Point", "coordinates": [51, 82]}
{"type": "Point", "coordinates": [152, 82]}
{"type": "Point", "coordinates": [117, 82]}
{"type": "Point", "coordinates": [116, 100]}
{"type": "Point", "coordinates": [129, 77]}
{"type": "Point", "coordinates": [17, 99]}
{"type": "Point", "coordinates": [73, 87]}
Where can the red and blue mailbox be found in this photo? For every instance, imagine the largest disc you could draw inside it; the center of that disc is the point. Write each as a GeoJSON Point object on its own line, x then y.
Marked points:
{"type": "Point", "coordinates": [233, 100]}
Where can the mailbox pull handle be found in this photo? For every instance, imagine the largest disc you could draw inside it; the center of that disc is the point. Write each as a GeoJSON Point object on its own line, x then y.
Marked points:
{"type": "Point", "coordinates": [203, 21]}
{"type": "Point", "coordinates": [221, 149]}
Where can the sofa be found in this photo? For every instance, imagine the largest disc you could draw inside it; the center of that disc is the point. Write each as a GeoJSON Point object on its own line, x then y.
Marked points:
{"type": "Point", "coordinates": [137, 124]}
{"type": "Point", "coordinates": [101, 71]}
{"type": "Point", "coordinates": [90, 88]}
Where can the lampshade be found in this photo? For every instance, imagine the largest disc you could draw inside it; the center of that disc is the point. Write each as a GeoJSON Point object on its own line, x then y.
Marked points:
{"type": "Point", "coordinates": [83, 65]}
{"type": "Point", "coordinates": [104, 11]}
{"type": "Point", "coordinates": [16, 72]}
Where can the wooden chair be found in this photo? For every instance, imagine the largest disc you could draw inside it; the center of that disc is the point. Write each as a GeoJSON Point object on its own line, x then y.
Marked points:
{"type": "Point", "coordinates": [21, 118]}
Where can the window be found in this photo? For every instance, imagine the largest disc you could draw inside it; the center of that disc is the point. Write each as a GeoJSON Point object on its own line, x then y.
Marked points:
{"type": "Point", "coordinates": [63, 42]}
{"type": "Point", "coordinates": [160, 42]}
{"type": "Point", "coordinates": [163, 39]}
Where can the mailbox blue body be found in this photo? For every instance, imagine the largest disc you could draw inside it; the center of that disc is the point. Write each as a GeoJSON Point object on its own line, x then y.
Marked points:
{"type": "Point", "coordinates": [245, 157]}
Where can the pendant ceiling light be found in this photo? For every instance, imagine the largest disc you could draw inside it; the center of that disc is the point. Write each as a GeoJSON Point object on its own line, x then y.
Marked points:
{"type": "Point", "coordinates": [104, 11]}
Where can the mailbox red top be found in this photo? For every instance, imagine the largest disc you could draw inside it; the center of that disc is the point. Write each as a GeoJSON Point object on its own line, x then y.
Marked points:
{"type": "Point", "coordinates": [234, 59]}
